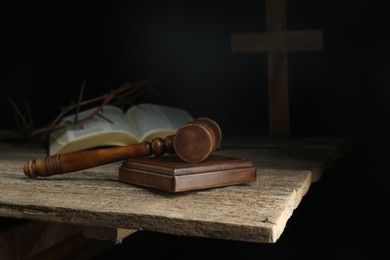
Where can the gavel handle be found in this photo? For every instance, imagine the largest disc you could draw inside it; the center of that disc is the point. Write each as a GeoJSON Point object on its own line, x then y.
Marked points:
{"type": "Point", "coordinates": [193, 143]}
{"type": "Point", "coordinates": [75, 161]}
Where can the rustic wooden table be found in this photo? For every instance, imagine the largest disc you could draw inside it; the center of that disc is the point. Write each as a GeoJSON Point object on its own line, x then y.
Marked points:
{"type": "Point", "coordinates": [105, 208]}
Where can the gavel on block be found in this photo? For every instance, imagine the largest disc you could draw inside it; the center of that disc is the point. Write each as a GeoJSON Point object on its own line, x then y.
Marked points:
{"type": "Point", "coordinates": [192, 143]}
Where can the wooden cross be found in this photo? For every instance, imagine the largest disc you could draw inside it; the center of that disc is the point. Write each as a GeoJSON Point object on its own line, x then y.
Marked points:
{"type": "Point", "coordinates": [277, 42]}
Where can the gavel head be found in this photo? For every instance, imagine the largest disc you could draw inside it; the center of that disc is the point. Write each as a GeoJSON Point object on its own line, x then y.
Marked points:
{"type": "Point", "coordinates": [195, 141]}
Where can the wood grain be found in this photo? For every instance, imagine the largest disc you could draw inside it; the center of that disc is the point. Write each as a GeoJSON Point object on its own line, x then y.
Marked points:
{"type": "Point", "coordinates": [286, 41]}
{"type": "Point", "coordinates": [173, 175]}
{"type": "Point", "coordinates": [277, 42]}
{"type": "Point", "coordinates": [257, 212]}
{"type": "Point", "coordinates": [193, 142]}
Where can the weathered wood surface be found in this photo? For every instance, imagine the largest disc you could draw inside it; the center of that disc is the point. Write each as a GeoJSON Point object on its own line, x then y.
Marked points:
{"type": "Point", "coordinates": [256, 212]}
{"type": "Point", "coordinates": [312, 154]}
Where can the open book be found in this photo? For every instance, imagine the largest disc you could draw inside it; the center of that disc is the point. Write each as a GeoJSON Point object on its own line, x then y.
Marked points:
{"type": "Point", "coordinates": [139, 123]}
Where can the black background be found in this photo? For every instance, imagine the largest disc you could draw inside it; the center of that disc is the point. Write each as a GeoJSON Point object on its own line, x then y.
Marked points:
{"type": "Point", "coordinates": [49, 48]}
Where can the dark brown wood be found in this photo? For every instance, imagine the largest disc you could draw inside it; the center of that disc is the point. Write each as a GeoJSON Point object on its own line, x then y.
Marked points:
{"type": "Point", "coordinates": [197, 140]}
{"type": "Point", "coordinates": [278, 97]}
{"type": "Point", "coordinates": [75, 161]}
{"type": "Point", "coordinates": [193, 143]}
{"type": "Point", "coordinates": [305, 40]}
{"type": "Point", "coordinates": [173, 175]}
{"type": "Point", "coordinates": [277, 42]}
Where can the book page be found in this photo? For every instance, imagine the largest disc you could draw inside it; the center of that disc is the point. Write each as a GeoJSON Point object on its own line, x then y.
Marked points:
{"type": "Point", "coordinates": [98, 124]}
{"type": "Point", "coordinates": [96, 131]}
{"type": "Point", "coordinates": [152, 120]}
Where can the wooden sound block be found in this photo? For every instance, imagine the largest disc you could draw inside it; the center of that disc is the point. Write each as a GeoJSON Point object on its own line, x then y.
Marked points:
{"type": "Point", "coordinates": [170, 173]}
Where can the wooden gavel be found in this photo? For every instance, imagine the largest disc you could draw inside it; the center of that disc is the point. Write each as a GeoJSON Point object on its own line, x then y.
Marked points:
{"type": "Point", "coordinates": [192, 143]}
